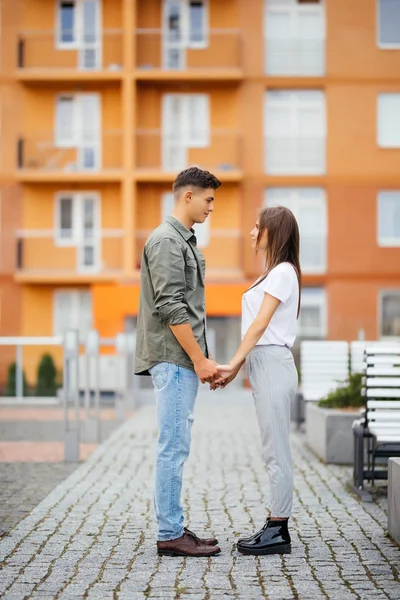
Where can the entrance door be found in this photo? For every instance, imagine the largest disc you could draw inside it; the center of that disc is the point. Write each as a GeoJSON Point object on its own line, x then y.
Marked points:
{"type": "Point", "coordinates": [90, 35]}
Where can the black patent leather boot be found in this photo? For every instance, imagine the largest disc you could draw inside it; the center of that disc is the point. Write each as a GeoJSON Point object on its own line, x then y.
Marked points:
{"type": "Point", "coordinates": [273, 538]}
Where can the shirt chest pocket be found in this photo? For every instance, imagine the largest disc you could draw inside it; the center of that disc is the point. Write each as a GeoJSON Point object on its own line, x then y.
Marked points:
{"type": "Point", "coordinates": [191, 274]}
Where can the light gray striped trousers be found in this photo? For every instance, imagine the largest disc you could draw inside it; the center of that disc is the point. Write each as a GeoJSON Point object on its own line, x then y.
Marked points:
{"type": "Point", "coordinates": [273, 379]}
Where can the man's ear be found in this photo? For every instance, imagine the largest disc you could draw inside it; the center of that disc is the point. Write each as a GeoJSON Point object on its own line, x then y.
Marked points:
{"type": "Point", "coordinates": [188, 195]}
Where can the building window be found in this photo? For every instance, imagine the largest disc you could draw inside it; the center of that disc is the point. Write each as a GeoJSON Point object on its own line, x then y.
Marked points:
{"type": "Point", "coordinates": [185, 27]}
{"type": "Point", "coordinates": [390, 313]}
{"type": "Point", "coordinates": [389, 218]}
{"type": "Point", "coordinates": [67, 23]}
{"type": "Point", "coordinates": [202, 230]}
{"type": "Point", "coordinates": [295, 132]}
{"type": "Point", "coordinates": [312, 319]}
{"type": "Point", "coordinates": [72, 309]}
{"type": "Point", "coordinates": [295, 37]}
{"type": "Point", "coordinates": [389, 120]}
{"type": "Point", "coordinates": [77, 225]}
{"type": "Point", "coordinates": [389, 23]}
{"type": "Point", "coordinates": [78, 126]}
{"type": "Point", "coordinates": [309, 207]}
{"type": "Point", "coordinates": [185, 125]}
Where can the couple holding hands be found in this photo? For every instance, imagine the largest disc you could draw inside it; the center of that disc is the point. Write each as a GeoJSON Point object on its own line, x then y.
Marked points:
{"type": "Point", "coordinates": [171, 346]}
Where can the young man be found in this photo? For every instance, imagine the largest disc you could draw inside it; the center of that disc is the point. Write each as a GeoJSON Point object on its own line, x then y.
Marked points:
{"type": "Point", "coordinates": [171, 346]}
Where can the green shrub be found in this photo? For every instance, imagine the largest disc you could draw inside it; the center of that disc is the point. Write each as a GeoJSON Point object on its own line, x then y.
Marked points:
{"type": "Point", "coordinates": [348, 395]}
{"type": "Point", "coordinates": [11, 387]}
{"type": "Point", "coordinates": [46, 377]}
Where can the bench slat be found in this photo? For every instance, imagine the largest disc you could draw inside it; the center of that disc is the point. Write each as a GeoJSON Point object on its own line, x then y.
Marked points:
{"type": "Point", "coordinates": [384, 404]}
{"type": "Point", "coordinates": [389, 360]}
{"type": "Point", "coordinates": [383, 393]}
{"type": "Point", "coordinates": [383, 370]}
{"type": "Point", "coordinates": [383, 382]}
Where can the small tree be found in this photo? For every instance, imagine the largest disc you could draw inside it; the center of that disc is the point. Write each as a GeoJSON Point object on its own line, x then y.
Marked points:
{"type": "Point", "coordinates": [11, 387]}
{"type": "Point", "coordinates": [46, 377]}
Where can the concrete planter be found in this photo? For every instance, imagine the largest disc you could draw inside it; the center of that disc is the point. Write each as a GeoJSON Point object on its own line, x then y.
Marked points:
{"type": "Point", "coordinates": [329, 433]}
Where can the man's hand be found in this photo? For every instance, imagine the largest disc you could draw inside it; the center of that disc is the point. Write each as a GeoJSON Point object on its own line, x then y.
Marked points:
{"type": "Point", "coordinates": [206, 370]}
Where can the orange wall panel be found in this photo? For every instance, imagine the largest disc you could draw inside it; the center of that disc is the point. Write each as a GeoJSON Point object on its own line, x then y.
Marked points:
{"type": "Point", "coordinates": [353, 237]}
{"type": "Point", "coordinates": [352, 42]}
{"type": "Point", "coordinates": [352, 144]}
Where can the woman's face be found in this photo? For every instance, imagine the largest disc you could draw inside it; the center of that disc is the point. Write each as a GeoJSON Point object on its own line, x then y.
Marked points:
{"type": "Point", "coordinates": [254, 235]}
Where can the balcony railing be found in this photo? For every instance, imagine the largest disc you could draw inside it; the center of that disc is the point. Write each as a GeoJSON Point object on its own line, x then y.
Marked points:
{"type": "Point", "coordinates": [51, 252]}
{"type": "Point", "coordinates": [221, 151]}
{"type": "Point", "coordinates": [221, 50]}
{"type": "Point", "coordinates": [295, 155]}
{"type": "Point", "coordinates": [43, 49]}
{"type": "Point", "coordinates": [295, 57]}
{"type": "Point", "coordinates": [43, 153]}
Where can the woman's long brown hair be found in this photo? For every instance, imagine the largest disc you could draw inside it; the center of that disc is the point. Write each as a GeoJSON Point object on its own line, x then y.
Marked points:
{"type": "Point", "coordinates": [283, 241]}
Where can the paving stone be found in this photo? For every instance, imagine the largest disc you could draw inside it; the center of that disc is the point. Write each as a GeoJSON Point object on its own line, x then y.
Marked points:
{"type": "Point", "coordinates": [93, 536]}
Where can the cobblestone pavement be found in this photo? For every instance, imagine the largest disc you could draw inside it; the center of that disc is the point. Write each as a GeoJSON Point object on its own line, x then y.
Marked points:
{"type": "Point", "coordinates": [94, 535]}
{"type": "Point", "coordinates": [24, 485]}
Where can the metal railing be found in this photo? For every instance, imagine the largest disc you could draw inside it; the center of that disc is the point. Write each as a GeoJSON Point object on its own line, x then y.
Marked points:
{"type": "Point", "coordinates": [219, 49]}
{"type": "Point", "coordinates": [220, 150]}
{"type": "Point", "coordinates": [297, 57]}
{"type": "Point", "coordinates": [305, 155]}
{"type": "Point", "coordinates": [50, 50]}
{"type": "Point", "coordinates": [48, 251]}
{"type": "Point", "coordinates": [100, 152]}
{"type": "Point", "coordinates": [77, 382]}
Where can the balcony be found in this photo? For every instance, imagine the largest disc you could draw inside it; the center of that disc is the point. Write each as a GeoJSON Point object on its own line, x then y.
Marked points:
{"type": "Point", "coordinates": [42, 56]}
{"type": "Point", "coordinates": [47, 255]}
{"type": "Point", "coordinates": [295, 155]}
{"type": "Point", "coordinates": [218, 57]}
{"type": "Point", "coordinates": [40, 158]}
{"type": "Point", "coordinates": [295, 57]}
{"type": "Point", "coordinates": [159, 156]}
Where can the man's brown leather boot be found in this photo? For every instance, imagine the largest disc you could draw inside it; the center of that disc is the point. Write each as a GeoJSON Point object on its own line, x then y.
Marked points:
{"type": "Point", "coordinates": [186, 545]}
{"type": "Point", "coordinates": [205, 541]}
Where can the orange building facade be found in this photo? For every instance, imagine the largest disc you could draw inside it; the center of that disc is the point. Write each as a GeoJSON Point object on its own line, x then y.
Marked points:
{"type": "Point", "coordinates": [294, 102]}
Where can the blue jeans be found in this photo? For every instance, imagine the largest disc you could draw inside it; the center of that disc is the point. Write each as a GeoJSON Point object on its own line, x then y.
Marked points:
{"type": "Point", "coordinates": [176, 390]}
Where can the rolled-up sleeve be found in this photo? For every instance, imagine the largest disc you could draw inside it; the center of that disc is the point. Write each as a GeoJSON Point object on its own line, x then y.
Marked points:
{"type": "Point", "coordinates": [167, 271]}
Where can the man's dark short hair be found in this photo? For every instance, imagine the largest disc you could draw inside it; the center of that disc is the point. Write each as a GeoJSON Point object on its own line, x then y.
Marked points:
{"type": "Point", "coordinates": [193, 176]}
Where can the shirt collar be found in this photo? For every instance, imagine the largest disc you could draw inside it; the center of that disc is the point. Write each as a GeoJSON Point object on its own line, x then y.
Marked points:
{"type": "Point", "coordinates": [187, 234]}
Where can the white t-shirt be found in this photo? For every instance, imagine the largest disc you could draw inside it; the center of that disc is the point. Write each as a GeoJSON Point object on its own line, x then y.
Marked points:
{"type": "Point", "coordinates": [281, 283]}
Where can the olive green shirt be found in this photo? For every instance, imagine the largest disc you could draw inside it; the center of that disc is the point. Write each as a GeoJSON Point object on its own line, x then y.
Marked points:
{"type": "Point", "coordinates": [171, 293]}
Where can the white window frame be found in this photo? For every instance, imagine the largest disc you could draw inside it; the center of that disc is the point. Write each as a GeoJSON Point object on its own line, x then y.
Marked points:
{"type": "Point", "coordinates": [382, 45]}
{"type": "Point", "coordinates": [75, 295]}
{"type": "Point", "coordinates": [320, 301]}
{"type": "Point", "coordinates": [380, 141]}
{"type": "Point", "coordinates": [75, 241]}
{"type": "Point", "coordinates": [167, 203]}
{"type": "Point", "coordinates": [385, 242]}
{"type": "Point", "coordinates": [77, 43]}
{"type": "Point", "coordinates": [295, 205]}
{"type": "Point", "coordinates": [293, 105]}
{"type": "Point", "coordinates": [185, 43]}
{"type": "Point", "coordinates": [182, 139]}
{"type": "Point", "coordinates": [381, 294]}
{"type": "Point", "coordinates": [295, 7]}
{"type": "Point", "coordinates": [76, 140]}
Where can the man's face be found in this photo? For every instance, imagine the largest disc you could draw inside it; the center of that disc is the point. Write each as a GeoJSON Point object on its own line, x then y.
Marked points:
{"type": "Point", "coordinates": [201, 204]}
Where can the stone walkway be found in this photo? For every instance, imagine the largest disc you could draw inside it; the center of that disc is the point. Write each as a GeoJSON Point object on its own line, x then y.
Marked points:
{"type": "Point", "coordinates": [93, 536]}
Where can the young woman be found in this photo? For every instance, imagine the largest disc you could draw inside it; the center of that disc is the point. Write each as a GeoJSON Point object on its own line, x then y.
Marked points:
{"type": "Point", "coordinates": [270, 308]}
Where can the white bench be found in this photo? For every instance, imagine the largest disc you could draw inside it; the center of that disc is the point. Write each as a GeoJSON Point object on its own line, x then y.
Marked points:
{"type": "Point", "coordinates": [323, 365]}
{"type": "Point", "coordinates": [377, 434]}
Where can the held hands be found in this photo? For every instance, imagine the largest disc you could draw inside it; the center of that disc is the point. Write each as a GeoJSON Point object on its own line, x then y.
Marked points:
{"type": "Point", "coordinates": [227, 373]}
